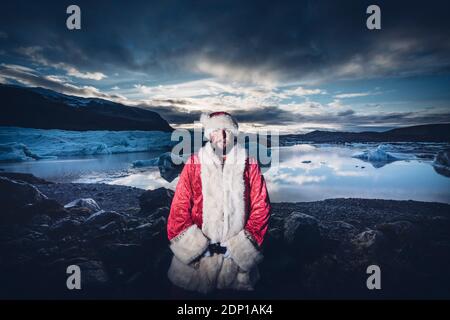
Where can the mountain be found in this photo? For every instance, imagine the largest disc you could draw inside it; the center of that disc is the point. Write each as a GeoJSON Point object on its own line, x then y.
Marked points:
{"type": "Point", "coordinates": [422, 133]}
{"type": "Point", "coordinates": [46, 109]}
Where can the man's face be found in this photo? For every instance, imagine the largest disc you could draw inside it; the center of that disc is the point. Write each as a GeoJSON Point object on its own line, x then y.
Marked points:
{"type": "Point", "coordinates": [222, 140]}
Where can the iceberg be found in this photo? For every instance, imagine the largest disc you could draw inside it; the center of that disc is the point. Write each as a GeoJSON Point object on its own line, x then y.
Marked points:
{"type": "Point", "coordinates": [441, 163]}
{"type": "Point", "coordinates": [23, 144]}
{"type": "Point", "coordinates": [378, 157]}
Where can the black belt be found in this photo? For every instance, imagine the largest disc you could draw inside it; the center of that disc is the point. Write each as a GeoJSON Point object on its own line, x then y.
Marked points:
{"type": "Point", "coordinates": [217, 248]}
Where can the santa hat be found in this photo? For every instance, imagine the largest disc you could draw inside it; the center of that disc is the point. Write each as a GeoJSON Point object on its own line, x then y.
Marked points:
{"type": "Point", "coordinates": [218, 120]}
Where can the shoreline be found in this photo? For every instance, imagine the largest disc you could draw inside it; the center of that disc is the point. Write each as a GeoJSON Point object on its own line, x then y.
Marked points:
{"type": "Point", "coordinates": [80, 190]}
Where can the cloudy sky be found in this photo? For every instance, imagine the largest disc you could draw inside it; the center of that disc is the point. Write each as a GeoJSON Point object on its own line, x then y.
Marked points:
{"type": "Point", "coordinates": [290, 65]}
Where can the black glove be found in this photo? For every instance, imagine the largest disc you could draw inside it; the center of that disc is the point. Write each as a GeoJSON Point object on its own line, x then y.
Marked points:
{"type": "Point", "coordinates": [217, 248]}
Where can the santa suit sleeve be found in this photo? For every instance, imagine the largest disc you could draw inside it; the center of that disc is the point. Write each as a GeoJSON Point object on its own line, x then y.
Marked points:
{"type": "Point", "coordinates": [187, 241]}
{"type": "Point", "coordinates": [245, 246]}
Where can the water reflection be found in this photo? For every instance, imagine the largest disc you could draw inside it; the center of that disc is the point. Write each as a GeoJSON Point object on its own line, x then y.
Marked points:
{"type": "Point", "coordinates": [308, 173]}
{"type": "Point", "coordinates": [305, 172]}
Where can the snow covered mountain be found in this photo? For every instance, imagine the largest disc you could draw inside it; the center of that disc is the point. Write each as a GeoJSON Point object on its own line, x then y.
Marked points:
{"type": "Point", "coordinates": [46, 109]}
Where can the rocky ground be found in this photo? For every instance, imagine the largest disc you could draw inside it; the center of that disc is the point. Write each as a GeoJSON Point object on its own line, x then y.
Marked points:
{"type": "Point", "coordinates": [313, 249]}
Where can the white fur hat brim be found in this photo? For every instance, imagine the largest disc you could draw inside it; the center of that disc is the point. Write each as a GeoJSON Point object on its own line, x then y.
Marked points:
{"type": "Point", "coordinates": [222, 121]}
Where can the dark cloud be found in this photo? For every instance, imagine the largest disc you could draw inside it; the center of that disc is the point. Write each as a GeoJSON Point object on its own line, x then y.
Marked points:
{"type": "Point", "coordinates": [346, 113]}
{"type": "Point", "coordinates": [28, 77]}
{"type": "Point", "coordinates": [293, 39]}
{"type": "Point", "coordinates": [151, 42]}
{"type": "Point", "coordinates": [347, 119]}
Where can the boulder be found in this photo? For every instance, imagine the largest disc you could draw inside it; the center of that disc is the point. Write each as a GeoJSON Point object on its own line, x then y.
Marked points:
{"type": "Point", "coordinates": [151, 200]}
{"type": "Point", "coordinates": [103, 217]}
{"type": "Point", "coordinates": [302, 234]}
{"type": "Point", "coordinates": [64, 227]}
{"type": "Point", "coordinates": [93, 275]}
{"type": "Point", "coordinates": [15, 196]}
{"type": "Point", "coordinates": [48, 207]}
{"type": "Point", "coordinates": [338, 229]}
{"type": "Point", "coordinates": [400, 231]}
{"type": "Point", "coordinates": [370, 241]}
{"type": "Point", "coordinates": [84, 203]}
{"type": "Point", "coordinates": [41, 220]}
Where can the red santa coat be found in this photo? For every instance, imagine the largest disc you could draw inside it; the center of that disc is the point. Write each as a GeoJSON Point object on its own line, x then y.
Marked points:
{"type": "Point", "coordinates": [213, 203]}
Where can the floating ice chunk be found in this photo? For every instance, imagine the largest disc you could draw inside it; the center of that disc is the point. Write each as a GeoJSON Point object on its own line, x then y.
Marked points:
{"type": "Point", "coordinates": [443, 158]}
{"type": "Point", "coordinates": [377, 157]}
{"type": "Point", "coordinates": [441, 163]}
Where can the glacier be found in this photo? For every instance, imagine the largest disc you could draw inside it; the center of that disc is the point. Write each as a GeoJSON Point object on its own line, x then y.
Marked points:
{"type": "Point", "coordinates": [23, 144]}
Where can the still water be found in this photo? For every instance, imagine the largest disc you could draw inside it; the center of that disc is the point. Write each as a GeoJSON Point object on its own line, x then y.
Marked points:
{"type": "Point", "coordinates": [305, 172]}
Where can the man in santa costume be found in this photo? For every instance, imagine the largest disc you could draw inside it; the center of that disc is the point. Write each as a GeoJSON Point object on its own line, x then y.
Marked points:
{"type": "Point", "coordinates": [219, 214]}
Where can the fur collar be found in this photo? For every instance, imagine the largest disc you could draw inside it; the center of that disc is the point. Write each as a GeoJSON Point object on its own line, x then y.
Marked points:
{"type": "Point", "coordinates": [223, 192]}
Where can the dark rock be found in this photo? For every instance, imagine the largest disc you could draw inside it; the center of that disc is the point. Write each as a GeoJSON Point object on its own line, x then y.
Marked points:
{"type": "Point", "coordinates": [370, 241]}
{"type": "Point", "coordinates": [15, 196]}
{"type": "Point", "coordinates": [88, 203]}
{"type": "Point", "coordinates": [46, 206]}
{"type": "Point", "coordinates": [440, 226]}
{"type": "Point", "coordinates": [93, 275]}
{"type": "Point", "coordinates": [102, 217]}
{"type": "Point", "coordinates": [79, 211]}
{"type": "Point", "coordinates": [400, 231]}
{"type": "Point", "coordinates": [110, 226]}
{"type": "Point", "coordinates": [123, 251]}
{"type": "Point", "coordinates": [64, 227]}
{"type": "Point", "coordinates": [41, 220]}
{"type": "Point", "coordinates": [158, 213]}
{"type": "Point", "coordinates": [126, 254]}
{"type": "Point", "coordinates": [302, 234]}
{"type": "Point", "coordinates": [298, 226]}
{"type": "Point", "coordinates": [123, 259]}
{"type": "Point", "coordinates": [151, 200]}
{"type": "Point", "coordinates": [338, 229]}
{"type": "Point", "coordinates": [275, 233]}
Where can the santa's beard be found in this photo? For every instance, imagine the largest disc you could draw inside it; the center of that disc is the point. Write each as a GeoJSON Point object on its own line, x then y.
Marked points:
{"type": "Point", "coordinates": [223, 146]}
{"type": "Point", "coordinates": [220, 149]}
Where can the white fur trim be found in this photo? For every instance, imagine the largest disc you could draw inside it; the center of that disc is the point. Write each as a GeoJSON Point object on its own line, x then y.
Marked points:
{"type": "Point", "coordinates": [189, 277]}
{"type": "Point", "coordinates": [210, 273]}
{"type": "Point", "coordinates": [222, 121]}
{"type": "Point", "coordinates": [243, 251]}
{"type": "Point", "coordinates": [189, 244]}
{"type": "Point", "coordinates": [223, 192]}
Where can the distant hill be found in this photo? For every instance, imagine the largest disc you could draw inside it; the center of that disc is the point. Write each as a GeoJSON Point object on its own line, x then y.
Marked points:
{"type": "Point", "coordinates": [422, 133]}
{"type": "Point", "coordinates": [46, 109]}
